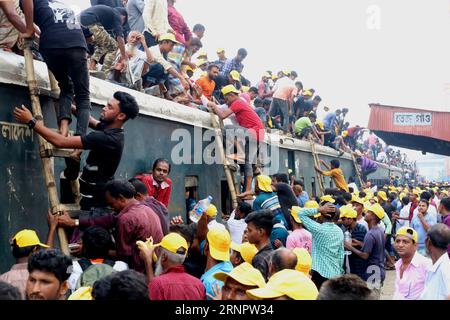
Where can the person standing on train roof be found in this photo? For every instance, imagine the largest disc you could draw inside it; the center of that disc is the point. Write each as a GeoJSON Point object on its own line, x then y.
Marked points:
{"type": "Point", "coordinates": [335, 173]}
{"type": "Point", "coordinates": [106, 144]}
{"type": "Point", "coordinates": [158, 183]}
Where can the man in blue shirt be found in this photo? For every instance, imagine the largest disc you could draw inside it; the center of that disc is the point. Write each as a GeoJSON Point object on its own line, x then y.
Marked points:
{"type": "Point", "coordinates": [329, 122]}
{"type": "Point", "coordinates": [217, 251]}
{"type": "Point", "coordinates": [421, 223]}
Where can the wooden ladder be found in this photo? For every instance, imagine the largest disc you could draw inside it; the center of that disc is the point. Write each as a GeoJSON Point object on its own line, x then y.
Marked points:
{"type": "Point", "coordinates": [317, 164]}
{"type": "Point", "coordinates": [226, 165]}
{"type": "Point", "coordinates": [46, 150]}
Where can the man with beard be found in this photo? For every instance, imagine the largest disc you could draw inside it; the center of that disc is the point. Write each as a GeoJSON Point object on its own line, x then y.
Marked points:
{"type": "Point", "coordinates": [105, 144]}
{"type": "Point", "coordinates": [49, 271]}
{"type": "Point", "coordinates": [206, 82]}
{"type": "Point", "coordinates": [170, 281]}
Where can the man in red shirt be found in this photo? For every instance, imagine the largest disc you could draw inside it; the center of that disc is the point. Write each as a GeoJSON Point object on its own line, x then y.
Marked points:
{"type": "Point", "coordinates": [135, 221]}
{"type": "Point", "coordinates": [158, 183]}
{"type": "Point", "coordinates": [169, 281]}
{"type": "Point", "coordinates": [247, 118]}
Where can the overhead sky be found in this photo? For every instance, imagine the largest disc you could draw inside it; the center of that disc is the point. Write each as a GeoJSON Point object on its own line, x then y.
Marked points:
{"type": "Point", "coordinates": [352, 52]}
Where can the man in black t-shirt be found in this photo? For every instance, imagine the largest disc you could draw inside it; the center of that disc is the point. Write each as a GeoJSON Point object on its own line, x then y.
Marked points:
{"type": "Point", "coordinates": [105, 144]}
{"type": "Point", "coordinates": [63, 48]}
{"type": "Point", "coordinates": [106, 24]}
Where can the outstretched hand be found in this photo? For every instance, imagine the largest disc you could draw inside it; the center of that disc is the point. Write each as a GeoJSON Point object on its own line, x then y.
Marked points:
{"type": "Point", "coordinates": [22, 114]}
{"type": "Point", "coordinates": [217, 291]}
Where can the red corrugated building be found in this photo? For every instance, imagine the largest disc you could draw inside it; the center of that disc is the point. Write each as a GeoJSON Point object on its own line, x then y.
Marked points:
{"type": "Point", "coordinates": [412, 128]}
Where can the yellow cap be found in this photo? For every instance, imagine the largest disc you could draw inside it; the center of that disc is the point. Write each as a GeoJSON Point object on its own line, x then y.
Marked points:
{"type": "Point", "coordinates": [247, 250]}
{"type": "Point", "coordinates": [377, 210]}
{"type": "Point", "coordinates": [327, 198]}
{"type": "Point", "coordinates": [27, 238]}
{"type": "Point", "coordinates": [344, 133]}
{"type": "Point", "coordinates": [286, 73]}
{"type": "Point", "coordinates": [173, 242]}
{"type": "Point", "coordinates": [169, 37]}
{"type": "Point", "coordinates": [219, 241]}
{"type": "Point", "coordinates": [188, 68]}
{"type": "Point", "coordinates": [230, 89]}
{"type": "Point", "coordinates": [201, 62]}
{"type": "Point", "coordinates": [244, 274]}
{"type": "Point", "coordinates": [266, 75]}
{"type": "Point", "coordinates": [382, 195]}
{"type": "Point", "coordinates": [357, 200]}
{"type": "Point", "coordinates": [409, 233]}
{"type": "Point", "coordinates": [211, 211]}
{"type": "Point", "coordinates": [287, 282]}
{"type": "Point", "coordinates": [219, 50]}
{"type": "Point", "coordinates": [202, 54]}
{"type": "Point", "coordinates": [304, 260]}
{"type": "Point", "coordinates": [82, 293]}
{"type": "Point", "coordinates": [236, 76]}
{"type": "Point", "coordinates": [416, 192]}
{"type": "Point", "coordinates": [307, 93]}
{"type": "Point", "coordinates": [311, 204]}
{"type": "Point", "coordinates": [264, 183]}
{"type": "Point", "coordinates": [294, 214]}
{"type": "Point", "coordinates": [320, 124]}
{"type": "Point", "coordinates": [245, 89]}
{"type": "Point", "coordinates": [274, 77]}
{"type": "Point", "coordinates": [348, 212]}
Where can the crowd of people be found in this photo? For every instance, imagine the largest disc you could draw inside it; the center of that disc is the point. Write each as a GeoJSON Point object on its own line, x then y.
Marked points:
{"type": "Point", "coordinates": [279, 243]}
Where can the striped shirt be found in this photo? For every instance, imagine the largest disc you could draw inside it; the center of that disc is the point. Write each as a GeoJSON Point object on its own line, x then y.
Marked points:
{"type": "Point", "coordinates": [327, 245]}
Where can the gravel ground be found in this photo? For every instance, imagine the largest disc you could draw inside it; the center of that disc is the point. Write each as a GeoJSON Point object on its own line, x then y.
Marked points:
{"type": "Point", "coordinates": [389, 285]}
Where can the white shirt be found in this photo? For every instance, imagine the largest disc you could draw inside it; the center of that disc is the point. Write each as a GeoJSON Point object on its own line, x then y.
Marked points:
{"type": "Point", "coordinates": [404, 213]}
{"type": "Point", "coordinates": [236, 228]}
{"type": "Point", "coordinates": [159, 58]}
{"type": "Point", "coordinates": [437, 281]}
{"type": "Point", "coordinates": [155, 17]}
{"type": "Point", "coordinates": [77, 271]}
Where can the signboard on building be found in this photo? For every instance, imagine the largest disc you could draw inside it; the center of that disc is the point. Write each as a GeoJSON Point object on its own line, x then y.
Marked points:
{"type": "Point", "coordinates": [413, 119]}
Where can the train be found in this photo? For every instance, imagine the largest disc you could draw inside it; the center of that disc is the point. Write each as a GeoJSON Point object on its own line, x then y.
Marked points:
{"type": "Point", "coordinates": [157, 132]}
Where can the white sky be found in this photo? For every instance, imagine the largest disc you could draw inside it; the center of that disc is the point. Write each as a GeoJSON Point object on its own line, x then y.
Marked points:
{"type": "Point", "coordinates": [405, 62]}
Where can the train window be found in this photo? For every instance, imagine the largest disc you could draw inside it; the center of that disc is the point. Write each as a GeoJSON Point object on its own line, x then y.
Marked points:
{"type": "Point", "coordinates": [191, 192]}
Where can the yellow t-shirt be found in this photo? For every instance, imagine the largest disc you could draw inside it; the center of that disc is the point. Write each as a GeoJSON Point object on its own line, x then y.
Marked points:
{"type": "Point", "coordinates": [338, 178]}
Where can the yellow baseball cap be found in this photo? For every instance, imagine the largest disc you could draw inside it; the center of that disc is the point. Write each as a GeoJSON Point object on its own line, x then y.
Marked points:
{"type": "Point", "coordinates": [416, 192]}
{"type": "Point", "coordinates": [358, 200]}
{"type": "Point", "coordinates": [201, 62]}
{"type": "Point", "coordinates": [27, 238]}
{"type": "Point", "coordinates": [219, 241]}
{"type": "Point", "coordinates": [294, 214]}
{"type": "Point", "coordinates": [409, 233]}
{"type": "Point", "coordinates": [287, 282]}
{"type": "Point", "coordinates": [245, 274]}
{"type": "Point", "coordinates": [327, 198]}
{"type": "Point", "coordinates": [306, 93]}
{"type": "Point", "coordinates": [304, 260]}
{"type": "Point", "coordinates": [264, 183]}
{"type": "Point", "coordinates": [219, 50]}
{"type": "Point", "coordinates": [320, 124]}
{"type": "Point", "coordinates": [377, 210]}
{"type": "Point", "coordinates": [311, 204]}
{"type": "Point", "coordinates": [230, 89]}
{"type": "Point", "coordinates": [286, 73]}
{"type": "Point", "coordinates": [245, 89]}
{"type": "Point", "coordinates": [211, 211]}
{"type": "Point", "coordinates": [348, 212]}
{"type": "Point", "coordinates": [247, 250]}
{"type": "Point", "coordinates": [344, 133]}
{"type": "Point", "coordinates": [274, 77]}
{"type": "Point", "coordinates": [82, 293]}
{"type": "Point", "coordinates": [202, 54]}
{"type": "Point", "coordinates": [173, 242]}
{"type": "Point", "coordinates": [169, 37]}
{"type": "Point", "coordinates": [266, 75]}
{"type": "Point", "coordinates": [382, 195]}
{"type": "Point", "coordinates": [236, 76]}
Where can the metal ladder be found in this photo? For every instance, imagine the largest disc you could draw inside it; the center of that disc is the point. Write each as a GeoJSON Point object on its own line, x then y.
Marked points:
{"type": "Point", "coordinates": [46, 150]}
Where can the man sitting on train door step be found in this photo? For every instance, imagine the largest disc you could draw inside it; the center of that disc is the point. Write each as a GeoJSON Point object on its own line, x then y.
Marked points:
{"type": "Point", "coordinates": [249, 122]}
{"type": "Point", "coordinates": [335, 173]}
{"type": "Point", "coordinates": [367, 167]}
{"type": "Point", "coordinates": [158, 183]}
{"type": "Point", "coordinates": [105, 144]}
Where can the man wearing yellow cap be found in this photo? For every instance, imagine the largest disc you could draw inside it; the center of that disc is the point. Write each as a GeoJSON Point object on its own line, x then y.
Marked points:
{"type": "Point", "coordinates": [299, 237]}
{"type": "Point", "coordinates": [373, 248]}
{"type": "Point", "coordinates": [357, 232]}
{"type": "Point", "coordinates": [222, 58]}
{"type": "Point", "coordinates": [170, 281]}
{"type": "Point", "coordinates": [266, 198]}
{"type": "Point", "coordinates": [244, 252]}
{"type": "Point", "coordinates": [242, 278]}
{"type": "Point", "coordinates": [249, 132]}
{"type": "Point", "coordinates": [286, 285]}
{"type": "Point", "coordinates": [217, 252]}
{"type": "Point", "coordinates": [412, 267]}
{"type": "Point", "coordinates": [358, 205]}
{"type": "Point", "coordinates": [23, 244]}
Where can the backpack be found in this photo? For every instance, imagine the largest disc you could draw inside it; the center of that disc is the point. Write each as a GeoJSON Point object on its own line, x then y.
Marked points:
{"type": "Point", "coordinates": [93, 272]}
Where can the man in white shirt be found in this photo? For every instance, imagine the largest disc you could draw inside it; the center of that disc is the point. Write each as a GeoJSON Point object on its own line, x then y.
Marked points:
{"type": "Point", "coordinates": [437, 281]}
{"type": "Point", "coordinates": [236, 223]}
{"type": "Point", "coordinates": [156, 21]}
